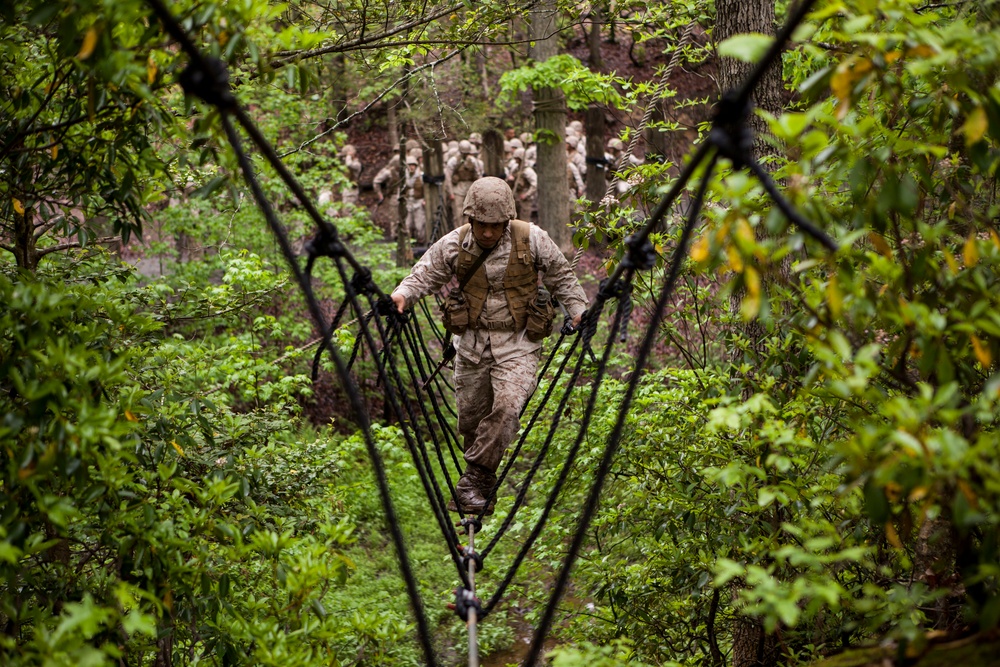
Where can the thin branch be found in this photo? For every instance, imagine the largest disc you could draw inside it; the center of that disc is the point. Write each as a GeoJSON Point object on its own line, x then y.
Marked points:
{"type": "Point", "coordinates": [75, 244]}
{"type": "Point", "coordinates": [406, 77]}
{"type": "Point", "coordinates": [284, 57]}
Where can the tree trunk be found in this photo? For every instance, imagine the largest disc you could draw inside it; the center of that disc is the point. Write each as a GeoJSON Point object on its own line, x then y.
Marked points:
{"type": "Point", "coordinates": [390, 119]}
{"type": "Point", "coordinates": [550, 130]}
{"type": "Point", "coordinates": [493, 153]}
{"type": "Point", "coordinates": [25, 251]}
{"type": "Point", "coordinates": [404, 253]}
{"type": "Point", "coordinates": [597, 170]}
{"type": "Point", "coordinates": [752, 647]}
{"type": "Point", "coordinates": [594, 38]}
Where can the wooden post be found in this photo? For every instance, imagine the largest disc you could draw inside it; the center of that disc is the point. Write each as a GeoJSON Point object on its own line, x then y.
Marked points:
{"type": "Point", "coordinates": [404, 253]}
{"type": "Point", "coordinates": [438, 220]}
{"type": "Point", "coordinates": [597, 170]}
{"type": "Point", "coordinates": [493, 153]}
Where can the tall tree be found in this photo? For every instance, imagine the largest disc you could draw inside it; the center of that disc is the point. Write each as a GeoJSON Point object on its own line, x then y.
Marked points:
{"type": "Point", "coordinates": [550, 129]}
{"type": "Point", "coordinates": [752, 647]}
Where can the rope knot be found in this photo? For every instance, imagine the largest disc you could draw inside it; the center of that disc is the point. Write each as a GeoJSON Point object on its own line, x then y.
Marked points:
{"type": "Point", "coordinates": [464, 601]}
{"type": "Point", "coordinates": [208, 80]}
{"type": "Point", "coordinates": [470, 555]}
{"type": "Point", "coordinates": [467, 521]}
{"type": "Point", "coordinates": [640, 256]}
{"type": "Point", "coordinates": [327, 244]}
{"type": "Point", "coordinates": [731, 132]}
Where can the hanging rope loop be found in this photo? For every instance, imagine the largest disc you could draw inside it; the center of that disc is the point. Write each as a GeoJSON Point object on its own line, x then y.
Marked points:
{"type": "Point", "coordinates": [208, 79]}
{"type": "Point", "coordinates": [464, 601]}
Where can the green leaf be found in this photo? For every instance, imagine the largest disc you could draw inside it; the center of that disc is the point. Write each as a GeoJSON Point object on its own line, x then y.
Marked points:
{"type": "Point", "coordinates": [748, 47]}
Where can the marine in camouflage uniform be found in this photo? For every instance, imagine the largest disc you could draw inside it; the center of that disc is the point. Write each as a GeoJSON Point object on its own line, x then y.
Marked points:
{"type": "Point", "coordinates": [460, 172]}
{"type": "Point", "coordinates": [416, 220]}
{"type": "Point", "coordinates": [496, 362]}
{"type": "Point", "coordinates": [349, 156]}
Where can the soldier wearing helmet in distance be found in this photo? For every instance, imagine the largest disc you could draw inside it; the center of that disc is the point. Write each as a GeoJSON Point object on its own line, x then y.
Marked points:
{"type": "Point", "coordinates": [498, 318]}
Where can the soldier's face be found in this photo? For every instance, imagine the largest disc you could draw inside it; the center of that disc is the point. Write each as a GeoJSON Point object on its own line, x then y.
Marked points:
{"type": "Point", "coordinates": [488, 233]}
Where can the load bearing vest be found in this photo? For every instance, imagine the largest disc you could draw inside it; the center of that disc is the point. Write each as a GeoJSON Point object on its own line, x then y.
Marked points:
{"type": "Point", "coordinates": [520, 283]}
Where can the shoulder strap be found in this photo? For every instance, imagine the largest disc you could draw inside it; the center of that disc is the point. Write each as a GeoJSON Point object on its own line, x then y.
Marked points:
{"type": "Point", "coordinates": [475, 265]}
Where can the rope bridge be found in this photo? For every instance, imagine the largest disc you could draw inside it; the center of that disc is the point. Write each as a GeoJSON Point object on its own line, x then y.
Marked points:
{"type": "Point", "coordinates": [414, 391]}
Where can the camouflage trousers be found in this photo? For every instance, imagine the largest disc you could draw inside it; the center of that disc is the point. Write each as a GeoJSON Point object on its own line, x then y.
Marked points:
{"type": "Point", "coordinates": [490, 397]}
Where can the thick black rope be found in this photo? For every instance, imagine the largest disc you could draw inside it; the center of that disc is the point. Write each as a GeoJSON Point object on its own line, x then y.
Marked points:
{"type": "Point", "coordinates": [334, 323]}
{"type": "Point", "coordinates": [416, 379]}
{"type": "Point", "coordinates": [652, 330]}
{"type": "Point", "coordinates": [447, 432]}
{"type": "Point", "coordinates": [413, 442]}
{"type": "Point", "coordinates": [357, 406]}
{"type": "Point", "coordinates": [520, 443]}
{"type": "Point", "coordinates": [574, 449]}
{"type": "Point", "coordinates": [425, 353]}
{"type": "Point", "coordinates": [209, 79]}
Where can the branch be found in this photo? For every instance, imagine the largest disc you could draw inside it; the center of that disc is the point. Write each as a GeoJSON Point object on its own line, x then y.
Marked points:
{"type": "Point", "coordinates": [397, 82]}
{"type": "Point", "coordinates": [284, 57]}
{"type": "Point", "coordinates": [56, 82]}
{"type": "Point", "coordinates": [75, 244]}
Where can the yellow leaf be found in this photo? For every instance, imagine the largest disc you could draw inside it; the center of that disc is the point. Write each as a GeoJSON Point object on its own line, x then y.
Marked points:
{"type": "Point", "coordinates": [969, 494]}
{"type": "Point", "coordinates": [922, 51]}
{"type": "Point", "coordinates": [752, 280]}
{"type": "Point", "coordinates": [982, 351]}
{"type": "Point", "coordinates": [131, 417]}
{"type": "Point", "coordinates": [881, 245]}
{"type": "Point", "coordinates": [699, 251]}
{"type": "Point", "coordinates": [952, 264]}
{"type": "Point", "coordinates": [223, 38]}
{"type": "Point", "coordinates": [996, 238]}
{"type": "Point", "coordinates": [834, 298]}
{"type": "Point", "coordinates": [151, 70]}
{"type": "Point", "coordinates": [180, 450]}
{"type": "Point", "coordinates": [892, 56]}
{"type": "Point", "coordinates": [892, 535]}
{"type": "Point", "coordinates": [721, 233]}
{"type": "Point", "coordinates": [18, 206]}
{"type": "Point", "coordinates": [55, 151]}
{"type": "Point", "coordinates": [848, 73]}
{"type": "Point", "coordinates": [744, 235]}
{"type": "Point", "coordinates": [89, 43]}
{"type": "Point", "coordinates": [735, 259]}
{"type": "Point", "coordinates": [168, 600]}
{"type": "Point", "coordinates": [970, 253]}
{"type": "Point", "coordinates": [974, 127]}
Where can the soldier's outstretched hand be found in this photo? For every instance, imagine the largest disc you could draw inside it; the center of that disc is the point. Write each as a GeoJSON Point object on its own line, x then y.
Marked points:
{"type": "Point", "coordinates": [400, 302]}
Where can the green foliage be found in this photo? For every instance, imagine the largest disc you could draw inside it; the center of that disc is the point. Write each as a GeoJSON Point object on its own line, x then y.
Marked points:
{"type": "Point", "coordinates": [579, 84]}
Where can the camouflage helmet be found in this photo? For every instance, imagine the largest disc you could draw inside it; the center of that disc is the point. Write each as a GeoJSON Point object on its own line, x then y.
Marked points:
{"type": "Point", "coordinates": [525, 138]}
{"type": "Point", "coordinates": [616, 144]}
{"type": "Point", "coordinates": [572, 141]}
{"type": "Point", "coordinates": [515, 144]}
{"type": "Point", "coordinates": [412, 159]}
{"type": "Point", "coordinates": [466, 147]}
{"type": "Point", "coordinates": [348, 149]}
{"type": "Point", "coordinates": [518, 154]}
{"type": "Point", "coordinates": [412, 144]}
{"type": "Point", "coordinates": [577, 126]}
{"type": "Point", "coordinates": [476, 139]}
{"type": "Point", "coordinates": [490, 200]}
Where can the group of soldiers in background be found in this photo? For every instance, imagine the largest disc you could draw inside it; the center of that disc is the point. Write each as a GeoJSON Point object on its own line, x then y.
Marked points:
{"type": "Point", "coordinates": [464, 164]}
